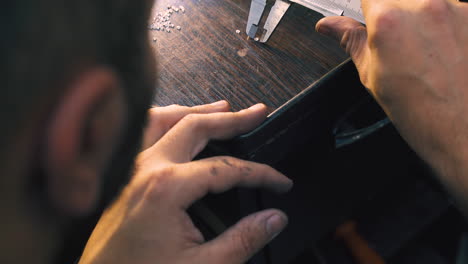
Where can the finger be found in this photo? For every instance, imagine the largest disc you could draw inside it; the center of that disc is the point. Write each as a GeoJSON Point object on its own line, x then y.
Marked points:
{"type": "Point", "coordinates": [189, 136]}
{"type": "Point", "coordinates": [218, 174]}
{"type": "Point", "coordinates": [162, 119]}
{"type": "Point", "coordinates": [351, 34]}
{"type": "Point", "coordinates": [242, 241]}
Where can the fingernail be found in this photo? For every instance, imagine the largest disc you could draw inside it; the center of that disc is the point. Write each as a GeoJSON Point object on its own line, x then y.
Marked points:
{"type": "Point", "coordinates": [275, 224]}
{"type": "Point", "coordinates": [257, 107]}
{"type": "Point", "coordinates": [322, 29]}
{"type": "Point", "coordinates": [220, 103]}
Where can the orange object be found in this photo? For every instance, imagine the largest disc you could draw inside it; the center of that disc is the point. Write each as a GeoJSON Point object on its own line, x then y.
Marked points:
{"type": "Point", "coordinates": [357, 245]}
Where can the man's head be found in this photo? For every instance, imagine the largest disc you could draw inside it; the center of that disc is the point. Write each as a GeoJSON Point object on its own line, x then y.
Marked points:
{"type": "Point", "coordinates": [76, 84]}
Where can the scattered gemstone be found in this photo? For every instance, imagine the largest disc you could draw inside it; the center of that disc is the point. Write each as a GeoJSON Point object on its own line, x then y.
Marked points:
{"type": "Point", "coordinates": [161, 21]}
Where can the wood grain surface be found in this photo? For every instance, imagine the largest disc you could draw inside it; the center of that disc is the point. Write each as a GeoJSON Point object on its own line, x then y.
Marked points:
{"type": "Point", "coordinates": [207, 60]}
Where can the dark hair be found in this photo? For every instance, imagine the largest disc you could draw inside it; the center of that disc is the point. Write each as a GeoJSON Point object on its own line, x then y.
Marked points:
{"type": "Point", "coordinates": [45, 43]}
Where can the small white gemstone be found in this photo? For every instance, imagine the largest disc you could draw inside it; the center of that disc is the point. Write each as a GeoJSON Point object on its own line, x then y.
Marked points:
{"type": "Point", "coordinates": [238, 31]}
{"type": "Point", "coordinates": [161, 20]}
{"type": "Point", "coordinates": [154, 39]}
{"type": "Point", "coordinates": [256, 39]}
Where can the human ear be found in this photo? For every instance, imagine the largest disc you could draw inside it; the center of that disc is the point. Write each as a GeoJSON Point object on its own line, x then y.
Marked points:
{"type": "Point", "coordinates": [80, 139]}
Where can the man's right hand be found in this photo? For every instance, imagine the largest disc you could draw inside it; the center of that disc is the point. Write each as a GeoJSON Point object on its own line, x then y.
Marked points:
{"type": "Point", "coordinates": [413, 57]}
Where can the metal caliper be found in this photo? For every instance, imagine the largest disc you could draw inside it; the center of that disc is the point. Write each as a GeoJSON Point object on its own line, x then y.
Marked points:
{"type": "Point", "coordinates": [350, 8]}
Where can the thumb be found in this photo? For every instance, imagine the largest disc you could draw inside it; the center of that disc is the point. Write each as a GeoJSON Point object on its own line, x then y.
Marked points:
{"type": "Point", "coordinates": [351, 34]}
{"type": "Point", "coordinates": [242, 241]}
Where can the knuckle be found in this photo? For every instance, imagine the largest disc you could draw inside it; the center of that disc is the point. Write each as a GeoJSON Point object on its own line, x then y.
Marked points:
{"type": "Point", "coordinates": [386, 21]}
{"type": "Point", "coordinates": [192, 122]}
{"type": "Point", "coordinates": [237, 117]}
{"type": "Point", "coordinates": [218, 164]}
{"type": "Point", "coordinates": [345, 40]}
{"type": "Point", "coordinates": [437, 9]}
{"type": "Point", "coordinates": [239, 167]}
{"type": "Point", "coordinates": [242, 168]}
{"type": "Point", "coordinates": [153, 109]}
{"type": "Point", "coordinates": [150, 185]}
{"type": "Point", "coordinates": [230, 162]}
{"type": "Point", "coordinates": [156, 115]}
{"type": "Point", "coordinates": [173, 106]}
{"type": "Point", "coordinates": [352, 39]}
{"type": "Point", "coordinates": [159, 180]}
{"type": "Point", "coordinates": [163, 174]}
{"type": "Point", "coordinates": [198, 109]}
{"type": "Point", "coordinates": [192, 119]}
{"type": "Point", "coordinates": [245, 242]}
{"type": "Point", "coordinates": [166, 109]}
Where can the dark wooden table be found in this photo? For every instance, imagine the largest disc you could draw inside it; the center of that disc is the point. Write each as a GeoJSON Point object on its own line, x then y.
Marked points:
{"type": "Point", "coordinates": [208, 61]}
